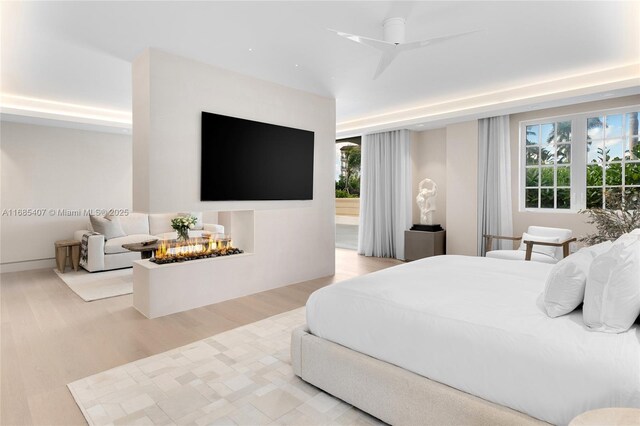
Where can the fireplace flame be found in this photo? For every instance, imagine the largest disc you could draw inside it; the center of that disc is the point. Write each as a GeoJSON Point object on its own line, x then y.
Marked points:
{"type": "Point", "coordinates": [193, 248]}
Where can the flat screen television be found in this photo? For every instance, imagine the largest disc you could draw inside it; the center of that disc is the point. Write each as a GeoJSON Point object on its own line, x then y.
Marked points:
{"type": "Point", "coordinates": [249, 160]}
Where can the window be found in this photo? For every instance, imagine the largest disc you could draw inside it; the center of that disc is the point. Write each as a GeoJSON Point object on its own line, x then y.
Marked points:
{"type": "Point", "coordinates": [613, 159]}
{"type": "Point", "coordinates": [548, 165]}
{"type": "Point", "coordinates": [580, 161]}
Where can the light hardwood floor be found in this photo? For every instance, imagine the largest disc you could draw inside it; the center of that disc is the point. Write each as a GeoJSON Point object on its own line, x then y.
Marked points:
{"type": "Point", "coordinates": [50, 337]}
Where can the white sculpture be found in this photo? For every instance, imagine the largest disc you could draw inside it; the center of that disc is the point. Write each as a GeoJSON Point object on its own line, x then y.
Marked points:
{"type": "Point", "coordinates": [426, 200]}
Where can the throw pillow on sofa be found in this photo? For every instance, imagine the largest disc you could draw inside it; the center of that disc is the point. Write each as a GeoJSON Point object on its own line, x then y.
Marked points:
{"type": "Point", "coordinates": [109, 226]}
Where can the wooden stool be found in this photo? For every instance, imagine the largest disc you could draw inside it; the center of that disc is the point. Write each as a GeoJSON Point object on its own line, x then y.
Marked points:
{"type": "Point", "coordinates": [63, 247]}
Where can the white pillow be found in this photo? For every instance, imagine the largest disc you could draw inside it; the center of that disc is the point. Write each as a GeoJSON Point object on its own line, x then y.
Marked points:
{"type": "Point", "coordinates": [635, 232]}
{"type": "Point", "coordinates": [135, 223]}
{"type": "Point", "coordinates": [612, 294]}
{"type": "Point", "coordinates": [564, 290]}
{"type": "Point", "coordinates": [548, 250]}
{"type": "Point", "coordinates": [109, 226]}
{"type": "Point", "coordinates": [629, 237]}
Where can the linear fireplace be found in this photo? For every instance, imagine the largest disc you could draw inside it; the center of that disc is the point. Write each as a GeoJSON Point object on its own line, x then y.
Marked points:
{"type": "Point", "coordinates": [193, 249]}
{"type": "Point", "coordinates": [199, 271]}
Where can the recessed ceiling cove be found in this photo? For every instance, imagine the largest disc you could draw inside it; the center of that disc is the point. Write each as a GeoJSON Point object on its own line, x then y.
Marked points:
{"type": "Point", "coordinates": [80, 53]}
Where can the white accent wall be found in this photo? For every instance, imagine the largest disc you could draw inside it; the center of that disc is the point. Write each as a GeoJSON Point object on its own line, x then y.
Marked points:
{"type": "Point", "coordinates": [293, 240]}
{"type": "Point", "coordinates": [574, 221]}
{"type": "Point", "coordinates": [462, 188]}
{"type": "Point", "coordinates": [429, 158]}
{"type": "Point", "coordinates": [45, 167]}
{"type": "Point", "coordinates": [451, 155]}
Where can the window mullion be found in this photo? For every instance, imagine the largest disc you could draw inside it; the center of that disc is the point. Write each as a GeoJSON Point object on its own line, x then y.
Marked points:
{"type": "Point", "coordinates": [578, 162]}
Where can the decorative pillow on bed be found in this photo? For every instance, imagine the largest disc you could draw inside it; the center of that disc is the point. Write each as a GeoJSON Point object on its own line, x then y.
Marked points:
{"type": "Point", "coordinates": [547, 250]}
{"type": "Point", "coordinates": [564, 290]}
{"type": "Point", "coordinates": [109, 226]}
{"type": "Point", "coordinates": [612, 294]}
{"type": "Point", "coordinates": [629, 237]}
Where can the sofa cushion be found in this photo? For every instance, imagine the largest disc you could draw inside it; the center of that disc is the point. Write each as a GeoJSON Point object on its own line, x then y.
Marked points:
{"type": "Point", "coordinates": [109, 226]}
{"type": "Point", "coordinates": [135, 223]}
{"type": "Point", "coordinates": [114, 245]}
{"type": "Point", "coordinates": [160, 223]}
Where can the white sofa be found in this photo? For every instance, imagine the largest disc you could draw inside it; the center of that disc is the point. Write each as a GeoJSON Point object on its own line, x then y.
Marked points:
{"type": "Point", "coordinates": [104, 255]}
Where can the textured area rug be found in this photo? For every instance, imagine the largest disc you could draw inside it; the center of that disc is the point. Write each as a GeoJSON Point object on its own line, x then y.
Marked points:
{"type": "Point", "coordinates": [240, 377]}
{"type": "Point", "coordinates": [98, 285]}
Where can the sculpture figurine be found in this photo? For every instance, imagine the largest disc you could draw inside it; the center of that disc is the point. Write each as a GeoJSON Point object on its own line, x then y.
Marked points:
{"type": "Point", "coordinates": [426, 200]}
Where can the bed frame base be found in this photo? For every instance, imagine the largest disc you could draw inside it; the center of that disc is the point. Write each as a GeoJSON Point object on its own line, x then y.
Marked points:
{"type": "Point", "coordinates": [388, 392]}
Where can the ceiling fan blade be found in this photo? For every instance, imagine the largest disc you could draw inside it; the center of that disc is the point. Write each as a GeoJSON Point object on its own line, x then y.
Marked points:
{"type": "Point", "coordinates": [371, 42]}
{"type": "Point", "coordinates": [424, 43]}
{"type": "Point", "coordinates": [385, 60]}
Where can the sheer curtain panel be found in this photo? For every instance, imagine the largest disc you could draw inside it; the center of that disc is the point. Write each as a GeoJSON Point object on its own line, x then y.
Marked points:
{"type": "Point", "coordinates": [494, 182]}
{"type": "Point", "coordinates": [385, 193]}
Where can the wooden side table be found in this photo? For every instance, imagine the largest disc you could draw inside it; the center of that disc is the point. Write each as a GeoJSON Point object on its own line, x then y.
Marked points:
{"type": "Point", "coordinates": [66, 249]}
{"type": "Point", "coordinates": [608, 417]}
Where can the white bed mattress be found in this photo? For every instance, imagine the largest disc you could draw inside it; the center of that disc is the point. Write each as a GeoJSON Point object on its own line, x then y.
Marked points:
{"type": "Point", "coordinates": [476, 324]}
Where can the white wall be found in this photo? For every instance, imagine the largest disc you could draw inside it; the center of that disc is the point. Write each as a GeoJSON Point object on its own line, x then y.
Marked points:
{"type": "Point", "coordinates": [429, 157]}
{"type": "Point", "coordinates": [56, 168]}
{"type": "Point", "coordinates": [459, 147]}
{"type": "Point", "coordinates": [462, 188]}
{"type": "Point", "coordinates": [294, 240]}
{"type": "Point", "coordinates": [575, 222]}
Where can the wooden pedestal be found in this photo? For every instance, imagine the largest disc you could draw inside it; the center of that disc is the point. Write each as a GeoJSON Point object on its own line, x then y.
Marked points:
{"type": "Point", "coordinates": [421, 244]}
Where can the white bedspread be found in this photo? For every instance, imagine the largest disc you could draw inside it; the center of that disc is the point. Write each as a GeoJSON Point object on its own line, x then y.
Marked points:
{"type": "Point", "coordinates": [476, 324]}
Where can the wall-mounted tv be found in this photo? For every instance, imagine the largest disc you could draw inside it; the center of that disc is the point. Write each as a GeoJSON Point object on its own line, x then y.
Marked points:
{"type": "Point", "coordinates": [249, 160]}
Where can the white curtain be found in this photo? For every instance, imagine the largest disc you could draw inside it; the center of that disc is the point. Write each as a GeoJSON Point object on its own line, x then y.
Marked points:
{"type": "Point", "coordinates": [385, 193]}
{"type": "Point", "coordinates": [494, 182]}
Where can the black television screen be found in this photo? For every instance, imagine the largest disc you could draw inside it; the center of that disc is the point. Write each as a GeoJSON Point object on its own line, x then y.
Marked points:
{"type": "Point", "coordinates": [249, 160]}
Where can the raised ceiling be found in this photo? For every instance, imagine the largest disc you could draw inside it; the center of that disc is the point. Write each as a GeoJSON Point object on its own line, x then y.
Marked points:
{"type": "Point", "coordinates": [81, 52]}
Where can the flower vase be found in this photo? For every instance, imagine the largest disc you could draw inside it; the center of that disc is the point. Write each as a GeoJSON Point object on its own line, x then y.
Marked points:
{"type": "Point", "coordinates": [183, 234]}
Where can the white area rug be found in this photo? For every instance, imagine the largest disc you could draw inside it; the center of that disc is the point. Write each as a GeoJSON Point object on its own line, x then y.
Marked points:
{"type": "Point", "coordinates": [98, 285]}
{"type": "Point", "coordinates": [240, 377]}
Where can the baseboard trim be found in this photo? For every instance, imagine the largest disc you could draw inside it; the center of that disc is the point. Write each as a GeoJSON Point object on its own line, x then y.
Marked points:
{"type": "Point", "coordinates": [27, 265]}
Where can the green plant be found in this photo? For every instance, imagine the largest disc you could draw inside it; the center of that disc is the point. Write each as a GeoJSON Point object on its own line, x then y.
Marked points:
{"type": "Point", "coordinates": [341, 193]}
{"type": "Point", "coordinates": [622, 216]}
{"type": "Point", "coordinates": [352, 159]}
{"type": "Point", "coordinates": [349, 180]}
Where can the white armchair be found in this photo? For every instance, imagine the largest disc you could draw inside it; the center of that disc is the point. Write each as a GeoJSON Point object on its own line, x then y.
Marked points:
{"type": "Point", "coordinates": [539, 243]}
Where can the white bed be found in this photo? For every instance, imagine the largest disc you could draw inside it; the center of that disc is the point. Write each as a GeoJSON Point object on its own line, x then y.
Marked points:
{"type": "Point", "coordinates": [475, 324]}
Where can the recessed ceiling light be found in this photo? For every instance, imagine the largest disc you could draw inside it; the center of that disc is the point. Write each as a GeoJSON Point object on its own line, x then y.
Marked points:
{"type": "Point", "coordinates": [296, 65]}
{"type": "Point", "coordinates": [250, 49]}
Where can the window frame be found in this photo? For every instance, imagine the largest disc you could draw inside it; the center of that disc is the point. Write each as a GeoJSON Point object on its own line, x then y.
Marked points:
{"type": "Point", "coordinates": [578, 187]}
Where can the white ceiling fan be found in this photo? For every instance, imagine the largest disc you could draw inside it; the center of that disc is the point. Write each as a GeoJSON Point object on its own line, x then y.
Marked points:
{"type": "Point", "coordinates": [393, 43]}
